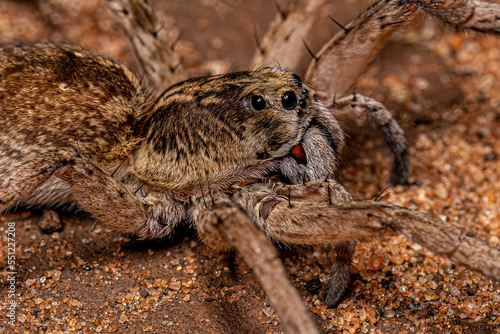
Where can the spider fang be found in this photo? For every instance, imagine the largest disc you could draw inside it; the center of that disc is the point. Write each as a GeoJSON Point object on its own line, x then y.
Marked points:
{"type": "Point", "coordinates": [297, 152]}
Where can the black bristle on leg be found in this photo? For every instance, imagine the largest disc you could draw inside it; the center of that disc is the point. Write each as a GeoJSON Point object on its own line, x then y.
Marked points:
{"type": "Point", "coordinates": [346, 31]}
{"type": "Point", "coordinates": [310, 51]}
{"type": "Point", "coordinates": [289, 196]}
{"type": "Point", "coordinates": [203, 196]}
{"type": "Point", "coordinates": [211, 196]}
{"type": "Point", "coordinates": [381, 195]}
{"type": "Point", "coordinates": [117, 168]}
{"type": "Point", "coordinates": [329, 195]}
{"type": "Point", "coordinates": [174, 43]}
{"type": "Point", "coordinates": [142, 185]}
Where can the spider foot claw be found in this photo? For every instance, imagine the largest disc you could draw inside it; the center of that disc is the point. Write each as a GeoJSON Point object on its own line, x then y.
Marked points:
{"type": "Point", "coordinates": [336, 284]}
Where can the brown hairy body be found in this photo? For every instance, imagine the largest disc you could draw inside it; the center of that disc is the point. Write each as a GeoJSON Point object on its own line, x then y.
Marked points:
{"type": "Point", "coordinates": [59, 98]}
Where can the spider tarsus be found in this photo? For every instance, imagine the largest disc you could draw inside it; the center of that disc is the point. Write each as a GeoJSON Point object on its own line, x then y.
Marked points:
{"type": "Point", "coordinates": [340, 274]}
{"type": "Point", "coordinates": [400, 168]}
{"type": "Point", "coordinates": [335, 288]}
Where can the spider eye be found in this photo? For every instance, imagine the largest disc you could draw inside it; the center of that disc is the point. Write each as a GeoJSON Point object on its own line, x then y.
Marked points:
{"type": "Point", "coordinates": [303, 103]}
{"type": "Point", "coordinates": [258, 102]}
{"type": "Point", "coordinates": [289, 100]}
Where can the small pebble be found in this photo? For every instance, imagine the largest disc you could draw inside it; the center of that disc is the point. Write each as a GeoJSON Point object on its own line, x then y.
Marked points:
{"type": "Point", "coordinates": [50, 222]}
{"type": "Point", "coordinates": [30, 281]}
{"type": "Point", "coordinates": [429, 295]}
{"type": "Point", "coordinates": [389, 313]}
{"type": "Point", "coordinates": [371, 313]}
{"type": "Point", "coordinates": [424, 313]}
{"type": "Point", "coordinates": [22, 318]}
{"type": "Point", "coordinates": [307, 277]}
{"type": "Point", "coordinates": [376, 262]}
{"type": "Point", "coordinates": [56, 275]}
{"type": "Point", "coordinates": [176, 285]}
{"type": "Point", "coordinates": [397, 259]}
{"type": "Point", "coordinates": [123, 318]}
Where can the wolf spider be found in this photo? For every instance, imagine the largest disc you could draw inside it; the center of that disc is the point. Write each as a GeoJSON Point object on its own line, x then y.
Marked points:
{"type": "Point", "coordinates": [236, 154]}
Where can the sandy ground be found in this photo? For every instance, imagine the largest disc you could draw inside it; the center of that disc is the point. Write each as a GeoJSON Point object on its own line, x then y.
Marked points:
{"type": "Point", "coordinates": [442, 86]}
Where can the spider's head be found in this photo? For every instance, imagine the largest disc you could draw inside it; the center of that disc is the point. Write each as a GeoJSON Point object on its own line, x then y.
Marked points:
{"type": "Point", "coordinates": [276, 107]}
{"type": "Point", "coordinates": [301, 133]}
{"type": "Point", "coordinates": [231, 127]}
